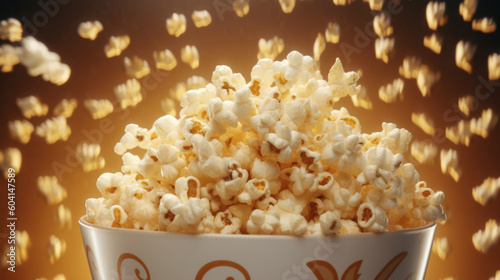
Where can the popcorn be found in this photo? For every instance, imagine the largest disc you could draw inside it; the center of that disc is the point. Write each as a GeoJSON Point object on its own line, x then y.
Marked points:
{"type": "Point", "coordinates": [423, 121]}
{"type": "Point", "coordinates": [22, 241]}
{"type": "Point", "coordinates": [466, 104]}
{"type": "Point", "coordinates": [11, 29]}
{"type": "Point", "coordinates": [467, 9]}
{"type": "Point", "coordinates": [168, 106]}
{"type": "Point", "coordinates": [21, 130]}
{"type": "Point", "coordinates": [423, 152]}
{"type": "Point", "coordinates": [270, 48]}
{"type": "Point", "coordinates": [434, 42]}
{"type": "Point", "coordinates": [410, 67]}
{"type": "Point", "coordinates": [483, 125]}
{"type": "Point", "coordinates": [372, 218]}
{"type": "Point", "coordinates": [435, 14]}
{"type": "Point", "coordinates": [459, 133]}
{"type": "Point", "coordinates": [375, 5]}
{"type": "Point", "coordinates": [88, 156]}
{"type": "Point", "coordinates": [382, 25]}
{"type": "Point", "coordinates": [262, 222]}
{"type": "Point", "coordinates": [497, 276]}
{"type": "Point", "coordinates": [426, 79]}
{"type": "Point", "coordinates": [463, 55]}
{"type": "Point", "coordinates": [390, 93]}
{"type": "Point", "coordinates": [342, 2]}
{"type": "Point", "coordinates": [63, 216]}
{"type": "Point", "coordinates": [381, 166]}
{"type": "Point", "coordinates": [332, 33]}
{"type": "Point", "coordinates": [494, 66]}
{"type": "Point", "coordinates": [345, 195]}
{"type": "Point", "coordinates": [165, 60]}
{"type": "Point", "coordinates": [441, 247]}
{"type": "Point", "coordinates": [176, 24]}
{"type": "Point", "coordinates": [49, 187]}
{"type": "Point", "coordinates": [128, 93]}
{"type": "Point", "coordinates": [485, 25]}
{"type": "Point", "coordinates": [31, 106]}
{"type": "Point", "coordinates": [57, 277]}
{"type": "Point", "coordinates": [383, 48]}
{"type": "Point", "coordinates": [241, 7]}
{"type": "Point", "coordinates": [116, 45]}
{"type": "Point", "coordinates": [8, 58]}
{"type": "Point", "coordinates": [136, 67]}
{"type": "Point", "coordinates": [56, 248]}
{"type": "Point", "coordinates": [65, 108]}
{"type": "Point", "coordinates": [319, 46]}
{"type": "Point", "coordinates": [89, 29]}
{"type": "Point", "coordinates": [98, 108]}
{"type": "Point", "coordinates": [287, 5]}
{"type": "Point", "coordinates": [10, 158]}
{"type": "Point", "coordinates": [427, 204]}
{"type": "Point", "coordinates": [53, 130]}
{"type": "Point", "coordinates": [201, 18]}
{"type": "Point", "coordinates": [487, 190]}
{"type": "Point", "coordinates": [449, 164]}
{"type": "Point", "coordinates": [190, 56]}
{"type": "Point", "coordinates": [484, 240]}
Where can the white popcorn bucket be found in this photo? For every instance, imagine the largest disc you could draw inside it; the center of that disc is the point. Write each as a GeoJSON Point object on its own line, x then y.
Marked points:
{"type": "Point", "coordinates": [127, 254]}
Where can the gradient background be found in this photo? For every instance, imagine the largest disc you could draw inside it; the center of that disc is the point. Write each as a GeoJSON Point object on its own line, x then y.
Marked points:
{"type": "Point", "coordinates": [233, 41]}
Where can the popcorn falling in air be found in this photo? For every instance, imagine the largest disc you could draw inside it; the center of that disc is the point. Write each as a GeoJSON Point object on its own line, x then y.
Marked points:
{"type": "Point", "coordinates": [89, 156]}
{"type": "Point", "coordinates": [424, 152]}
{"type": "Point", "coordinates": [128, 93]}
{"type": "Point", "coordinates": [38, 60]}
{"type": "Point", "coordinates": [89, 29]}
{"type": "Point", "coordinates": [485, 25]}
{"type": "Point", "coordinates": [21, 130]}
{"type": "Point", "coordinates": [136, 67]}
{"type": "Point", "coordinates": [11, 29]}
{"type": "Point", "coordinates": [287, 5]}
{"type": "Point", "coordinates": [375, 5]}
{"type": "Point", "coordinates": [449, 278]}
{"type": "Point", "coordinates": [467, 9]}
{"type": "Point", "coordinates": [383, 48]}
{"type": "Point", "coordinates": [168, 107]}
{"type": "Point", "coordinates": [484, 240]}
{"type": "Point", "coordinates": [435, 14]}
{"type": "Point", "coordinates": [31, 106]}
{"type": "Point", "coordinates": [342, 2]}
{"type": "Point", "coordinates": [464, 54]}
{"type": "Point", "coordinates": [8, 58]}
{"type": "Point", "coordinates": [483, 125]}
{"type": "Point", "coordinates": [466, 104]}
{"type": "Point", "coordinates": [441, 247]}
{"type": "Point", "coordinates": [270, 48]}
{"type": "Point", "coordinates": [49, 187]}
{"type": "Point", "coordinates": [53, 130]}
{"type": "Point", "coordinates": [423, 121]}
{"type": "Point", "coordinates": [10, 158]}
{"type": "Point", "coordinates": [391, 92]}
{"type": "Point", "coordinates": [98, 109]}
{"type": "Point", "coordinates": [165, 60]}
{"type": "Point", "coordinates": [241, 7]}
{"type": "Point", "coordinates": [449, 164]}
{"type": "Point", "coordinates": [319, 46]}
{"type": "Point", "coordinates": [22, 243]}
{"type": "Point", "coordinates": [410, 67]}
{"type": "Point", "coordinates": [57, 277]}
{"type": "Point", "coordinates": [65, 108]}
{"type": "Point", "coordinates": [332, 33]}
{"type": "Point", "coordinates": [487, 190]}
{"type": "Point", "coordinates": [459, 133]}
{"type": "Point", "coordinates": [196, 82]}
{"type": "Point", "coordinates": [176, 24]}
{"type": "Point", "coordinates": [434, 42]}
{"type": "Point", "coordinates": [494, 66]}
{"type": "Point", "coordinates": [382, 25]}
{"type": "Point", "coordinates": [201, 18]}
{"type": "Point", "coordinates": [497, 276]}
{"type": "Point", "coordinates": [63, 216]}
{"type": "Point", "coordinates": [426, 80]}
{"type": "Point", "coordinates": [190, 56]}
{"type": "Point", "coordinates": [56, 248]}
{"type": "Point", "coordinates": [362, 99]}
{"type": "Point", "coordinates": [116, 45]}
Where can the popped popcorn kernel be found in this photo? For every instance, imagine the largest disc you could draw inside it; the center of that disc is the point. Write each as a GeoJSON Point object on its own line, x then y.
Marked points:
{"type": "Point", "coordinates": [190, 56]}
{"type": "Point", "coordinates": [287, 5]}
{"type": "Point", "coordinates": [176, 24]}
{"type": "Point", "coordinates": [384, 48]}
{"type": "Point", "coordinates": [486, 191]}
{"type": "Point", "coordinates": [98, 108]}
{"type": "Point", "coordinates": [270, 48]}
{"type": "Point", "coordinates": [441, 247]}
{"type": "Point", "coordinates": [116, 45]}
{"type": "Point", "coordinates": [497, 276]}
{"type": "Point", "coordinates": [464, 54]}
{"type": "Point", "coordinates": [53, 130]}
{"type": "Point", "coordinates": [22, 242]}
{"type": "Point", "coordinates": [375, 5]}
{"type": "Point", "coordinates": [484, 240]}
{"type": "Point", "coordinates": [11, 29]}
{"type": "Point", "coordinates": [319, 46]}
{"type": "Point", "coordinates": [31, 106]}
{"type": "Point", "coordinates": [165, 60]}
{"type": "Point", "coordinates": [89, 29]}
{"type": "Point", "coordinates": [201, 18]}
{"type": "Point", "coordinates": [391, 92]}
{"type": "Point", "coordinates": [494, 66]}
{"type": "Point", "coordinates": [424, 152]}
{"type": "Point", "coordinates": [435, 14]}
{"type": "Point", "coordinates": [21, 130]}
{"type": "Point", "coordinates": [342, 2]}
{"type": "Point", "coordinates": [434, 42]}
{"type": "Point", "coordinates": [56, 248]}
{"type": "Point", "coordinates": [65, 108]}
{"type": "Point", "coordinates": [362, 99]}
{"type": "Point", "coordinates": [10, 158]}
{"type": "Point", "coordinates": [382, 25]}
{"type": "Point", "coordinates": [483, 125]}
{"type": "Point", "coordinates": [485, 25]}
{"type": "Point", "coordinates": [49, 187]}
{"type": "Point", "coordinates": [466, 104]}
{"type": "Point", "coordinates": [424, 121]}
{"type": "Point", "coordinates": [332, 33]}
{"type": "Point", "coordinates": [63, 216]}
{"type": "Point", "coordinates": [241, 7]}
{"type": "Point", "coordinates": [89, 156]}
{"type": "Point", "coordinates": [410, 67]}
{"type": "Point", "coordinates": [128, 93]}
{"type": "Point", "coordinates": [449, 164]}
{"type": "Point", "coordinates": [426, 79]}
{"type": "Point", "coordinates": [8, 58]}
{"type": "Point", "coordinates": [136, 67]}
{"type": "Point", "coordinates": [467, 9]}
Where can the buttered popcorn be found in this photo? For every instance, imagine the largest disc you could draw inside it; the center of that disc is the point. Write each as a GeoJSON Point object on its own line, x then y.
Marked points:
{"type": "Point", "coordinates": [269, 155]}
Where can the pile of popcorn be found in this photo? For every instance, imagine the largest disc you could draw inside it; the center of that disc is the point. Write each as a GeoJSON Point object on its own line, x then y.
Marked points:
{"type": "Point", "coordinates": [268, 156]}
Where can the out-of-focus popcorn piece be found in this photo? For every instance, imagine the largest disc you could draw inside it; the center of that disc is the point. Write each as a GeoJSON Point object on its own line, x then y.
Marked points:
{"type": "Point", "coordinates": [98, 108]}
{"type": "Point", "coordinates": [375, 5]}
{"type": "Point", "coordinates": [484, 240]}
{"type": "Point", "coordinates": [8, 57]}
{"type": "Point", "coordinates": [391, 92]}
{"type": "Point", "coordinates": [485, 25]}
{"type": "Point", "coordinates": [116, 45]}
{"type": "Point", "coordinates": [63, 216]}
{"type": "Point", "coordinates": [464, 54]}
{"type": "Point", "coordinates": [342, 2]}
{"type": "Point", "coordinates": [38, 60]}
{"type": "Point", "coordinates": [434, 42]}
{"type": "Point", "coordinates": [53, 130]}
{"type": "Point", "coordinates": [426, 78]}
{"type": "Point", "coordinates": [196, 82]}
{"type": "Point", "coordinates": [384, 48]}
{"type": "Point", "coordinates": [270, 48]}
{"type": "Point", "coordinates": [31, 106]}
{"type": "Point", "coordinates": [201, 18]}
{"type": "Point", "coordinates": [65, 108]}
{"type": "Point", "coordinates": [89, 29]}
{"type": "Point", "coordinates": [483, 125]}
{"type": "Point", "coordinates": [459, 133]}
{"type": "Point", "coordinates": [190, 56]}
{"type": "Point", "coordinates": [494, 66]}
{"type": "Point", "coordinates": [467, 9]}
{"type": "Point", "coordinates": [435, 14]}
{"type": "Point", "coordinates": [11, 29]}
{"type": "Point", "coordinates": [287, 5]}
{"type": "Point", "coordinates": [362, 99]}
{"type": "Point", "coordinates": [382, 25]}
{"type": "Point", "coordinates": [23, 242]}
{"type": "Point", "coordinates": [409, 68]}
{"type": "Point", "coordinates": [165, 60]}
{"type": "Point", "coordinates": [89, 156]}
{"type": "Point", "coordinates": [497, 276]}
{"type": "Point", "coordinates": [332, 33]}
{"type": "Point", "coordinates": [441, 247]}
{"type": "Point", "coordinates": [176, 24]}
{"type": "Point", "coordinates": [424, 152]}
{"type": "Point", "coordinates": [128, 93]}
{"type": "Point", "coordinates": [10, 158]}
{"type": "Point", "coordinates": [57, 277]}
{"type": "Point", "coordinates": [449, 278]}
{"type": "Point", "coordinates": [56, 248]}
{"type": "Point", "coordinates": [49, 187]}
{"type": "Point", "coordinates": [168, 106]}
{"type": "Point", "coordinates": [136, 67]}
{"type": "Point", "coordinates": [423, 121]}
{"type": "Point", "coordinates": [319, 46]}
{"type": "Point", "coordinates": [487, 190]}
{"type": "Point", "coordinates": [466, 104]}
{"type": "Point", "coordinates": [21, 130]}
{"type": "Point", "coordinates": [449, 164]}
{"type": "Point", "coordinates": [241, 7]}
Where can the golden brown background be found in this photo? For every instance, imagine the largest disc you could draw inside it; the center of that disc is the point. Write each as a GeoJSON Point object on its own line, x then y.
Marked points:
{"type": "Point", "coordinates": [233, 41]}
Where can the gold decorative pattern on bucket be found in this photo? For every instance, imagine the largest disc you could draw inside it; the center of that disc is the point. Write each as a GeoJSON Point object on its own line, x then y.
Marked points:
{"type": "Point", "coordinates": [137, 272]}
